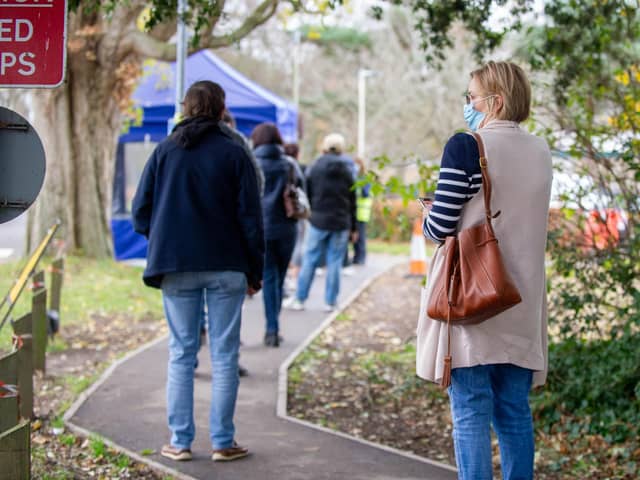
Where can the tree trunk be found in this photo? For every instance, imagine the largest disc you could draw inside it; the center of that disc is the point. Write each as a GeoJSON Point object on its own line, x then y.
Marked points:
{"type": "Point", "coordinates": [79, 124]}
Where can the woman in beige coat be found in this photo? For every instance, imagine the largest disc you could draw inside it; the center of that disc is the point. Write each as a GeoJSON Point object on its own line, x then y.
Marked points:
{"type": "Point", "coordinates": [496, 362]}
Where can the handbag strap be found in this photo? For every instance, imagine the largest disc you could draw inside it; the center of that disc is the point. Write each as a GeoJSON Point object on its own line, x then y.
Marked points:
{"type": "Point", "coordinates": [486, 182]}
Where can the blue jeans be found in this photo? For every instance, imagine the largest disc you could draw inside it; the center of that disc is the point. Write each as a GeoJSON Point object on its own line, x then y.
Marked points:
{"type": "Point", "coordinates": [182, 297]}
{"type": "Point", "coordinates": [495, 394]}
{"type": "Point", "coordinates": [276, 261]}
{"type": "Point", "coordinates": [318, 241]}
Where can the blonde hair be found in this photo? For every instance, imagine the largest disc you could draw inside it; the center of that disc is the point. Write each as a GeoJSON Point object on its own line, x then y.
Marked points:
{"type": "Point", "coordinates": [509, 81]}
{"type": "Point", "coordinates": [334, 142]}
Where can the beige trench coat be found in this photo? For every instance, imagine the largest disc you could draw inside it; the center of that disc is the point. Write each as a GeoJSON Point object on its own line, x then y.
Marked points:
{"type": "Point", "coordinates": [520, 170]}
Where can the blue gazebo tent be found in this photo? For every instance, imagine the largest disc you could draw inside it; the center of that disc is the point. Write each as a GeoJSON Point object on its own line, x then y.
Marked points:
{"type": "Point", "coordinates": [249, 103]}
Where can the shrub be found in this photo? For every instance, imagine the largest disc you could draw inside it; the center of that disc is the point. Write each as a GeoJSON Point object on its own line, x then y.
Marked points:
{"type": "Point", "coordinates": [593, 388]}
{"type": "Point", "coordinates": [392, 219]}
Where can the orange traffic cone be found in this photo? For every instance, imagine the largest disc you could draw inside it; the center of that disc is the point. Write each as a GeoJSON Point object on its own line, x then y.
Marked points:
{"type": "Point", "coordinates": [418, 259]}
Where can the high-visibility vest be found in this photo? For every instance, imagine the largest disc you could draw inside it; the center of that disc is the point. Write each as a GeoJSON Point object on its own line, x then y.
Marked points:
{"type": "Point", "coordinates": [363, 208]}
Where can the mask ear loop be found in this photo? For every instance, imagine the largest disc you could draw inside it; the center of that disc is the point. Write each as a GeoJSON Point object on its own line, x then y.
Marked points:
{"type": "Point", "coordinates": [490, 114]}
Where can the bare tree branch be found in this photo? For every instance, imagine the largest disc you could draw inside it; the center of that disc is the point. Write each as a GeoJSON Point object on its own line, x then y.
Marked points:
{"type": "Point", "coordinates": [146, 45]}
{"type": "Point", "coordinates": [260, 15]}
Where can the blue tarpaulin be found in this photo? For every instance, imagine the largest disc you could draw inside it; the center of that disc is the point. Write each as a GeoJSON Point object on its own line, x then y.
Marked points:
{"type": "Point", "coordinates": [249, 103]}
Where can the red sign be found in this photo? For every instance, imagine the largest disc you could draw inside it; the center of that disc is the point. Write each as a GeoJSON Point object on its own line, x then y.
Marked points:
{"type": "Point", "coordinates": [32, 42]}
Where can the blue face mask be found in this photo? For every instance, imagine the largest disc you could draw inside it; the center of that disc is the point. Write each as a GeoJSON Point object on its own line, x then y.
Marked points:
{"type": "Point", "coordinates": [472, 116]}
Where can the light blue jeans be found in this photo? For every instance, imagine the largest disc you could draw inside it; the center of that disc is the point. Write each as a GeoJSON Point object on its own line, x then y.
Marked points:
{"type": "Point", "coordinates": [318, 241]}
{"type": "Point", "coordinates": [496, 395]}
{"type": "Point", "coordinates": [182, 295]}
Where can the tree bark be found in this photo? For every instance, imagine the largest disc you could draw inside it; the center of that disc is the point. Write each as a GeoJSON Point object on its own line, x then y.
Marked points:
{"type": "Point", "coordinates": [79, 124]}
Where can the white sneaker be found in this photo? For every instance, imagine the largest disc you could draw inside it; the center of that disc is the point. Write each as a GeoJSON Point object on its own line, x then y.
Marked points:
{"type": "Point", "coordinates": [349, 271]}
{"type": "Point", "coordinates": [290, 284]}
{"type": "Point", "coordinates": [293, 303]}
{"type": "Point", "coordinates": [319, 271]}
{"type": "Point", "coordinates": [329, 308]}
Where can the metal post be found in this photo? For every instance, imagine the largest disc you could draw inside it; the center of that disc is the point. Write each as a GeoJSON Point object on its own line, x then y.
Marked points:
{"type": "Point", "coordinates": [181, 53]}
{"type": "Point", "coordinates": [363, 74]}
{"type": "Point", "coordinates": [362, 85]}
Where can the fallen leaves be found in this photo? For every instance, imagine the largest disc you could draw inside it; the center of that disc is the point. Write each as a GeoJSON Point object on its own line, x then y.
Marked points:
{"type": "Point", "coordinates": [358, 377]}
{"type": "Point", "coordinates": [91, 346]}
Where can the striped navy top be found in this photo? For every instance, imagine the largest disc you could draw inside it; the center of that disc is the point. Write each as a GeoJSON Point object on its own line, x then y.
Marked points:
{"type": "Point", "coordinates": [460, 179]}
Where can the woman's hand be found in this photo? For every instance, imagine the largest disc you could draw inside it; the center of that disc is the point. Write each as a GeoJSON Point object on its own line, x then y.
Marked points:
{"type": "Point", "coordinates": [255, 288]}
{"type": "Point", "coordinates": [426, 203]}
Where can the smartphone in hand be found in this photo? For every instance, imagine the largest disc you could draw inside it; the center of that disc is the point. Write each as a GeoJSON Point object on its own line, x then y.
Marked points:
{"type": "Point", "coordinates": [426, 201]}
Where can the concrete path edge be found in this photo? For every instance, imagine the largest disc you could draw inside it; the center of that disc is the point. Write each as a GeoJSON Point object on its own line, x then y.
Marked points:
{"type": "Point", "coordinates": [283, 381]}
{"type": "Point", "coordinates": [157, 466]}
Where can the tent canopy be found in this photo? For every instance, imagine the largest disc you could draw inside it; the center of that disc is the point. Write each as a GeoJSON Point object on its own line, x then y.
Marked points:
{"type": "Point", "coordinates": [249, 103]}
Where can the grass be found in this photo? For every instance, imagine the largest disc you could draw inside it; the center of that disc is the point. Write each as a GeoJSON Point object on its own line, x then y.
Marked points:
{"type": "Point", "coordinates": [78, 384]}
{"type": "Point", "coordinates": [97, 446]}
{"type": "Point", "coordinates": [90, 287]}
{"type": "Point", "coordinates": [404, 249]}
{"type": "Point", "coordinates": [380, 246]}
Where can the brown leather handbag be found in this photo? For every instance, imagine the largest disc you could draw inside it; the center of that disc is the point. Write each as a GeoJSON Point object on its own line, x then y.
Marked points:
{"type": "Point", "coordinates": [473, 284]}
{"type": "Point", "coordinates": [296, 202]}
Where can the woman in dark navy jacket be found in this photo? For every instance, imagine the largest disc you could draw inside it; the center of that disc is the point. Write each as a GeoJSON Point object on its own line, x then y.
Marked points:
{"type": "Point", "coordinates": [280, 230]}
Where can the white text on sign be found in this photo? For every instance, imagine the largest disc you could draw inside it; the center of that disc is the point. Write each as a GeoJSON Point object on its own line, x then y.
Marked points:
{"type": "Point", "coordinates": [16, 30]}
{"type": "Point", "coordinates": [32, 43]}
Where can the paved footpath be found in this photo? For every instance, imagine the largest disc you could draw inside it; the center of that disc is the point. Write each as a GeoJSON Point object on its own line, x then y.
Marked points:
{"type": "Point", "coordinates": [128, 409]}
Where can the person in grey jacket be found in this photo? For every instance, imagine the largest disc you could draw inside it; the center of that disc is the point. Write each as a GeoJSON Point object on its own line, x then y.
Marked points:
{"type": "Point", "coordinates": [228, 126]}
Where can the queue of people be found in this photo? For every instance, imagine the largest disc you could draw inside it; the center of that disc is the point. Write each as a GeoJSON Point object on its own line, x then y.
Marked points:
{"type": "Point", "coordinates": [496, 362]}
{"type": "Point", "coordinates": [235, 202]}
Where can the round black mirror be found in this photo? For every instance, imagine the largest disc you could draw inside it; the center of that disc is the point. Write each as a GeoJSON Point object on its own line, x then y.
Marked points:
{"type": "Point", "coordinates": [22, 165]}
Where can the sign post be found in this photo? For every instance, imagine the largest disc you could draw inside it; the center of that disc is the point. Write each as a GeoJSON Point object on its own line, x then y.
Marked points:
{"type": "Point", "coordinates": [33, 40]}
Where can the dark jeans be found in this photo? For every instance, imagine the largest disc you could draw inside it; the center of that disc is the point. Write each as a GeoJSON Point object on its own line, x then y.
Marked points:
{"type": "Point", "coordinates": [360, 247]}
{"type": "Point", "coordinates": [277, 256]}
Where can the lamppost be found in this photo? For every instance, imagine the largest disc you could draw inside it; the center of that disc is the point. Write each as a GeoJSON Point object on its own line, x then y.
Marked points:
{"type": "Point", "coordinates": [181, 54]}
{"type": "Point", "coordinates": [363, 74]}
